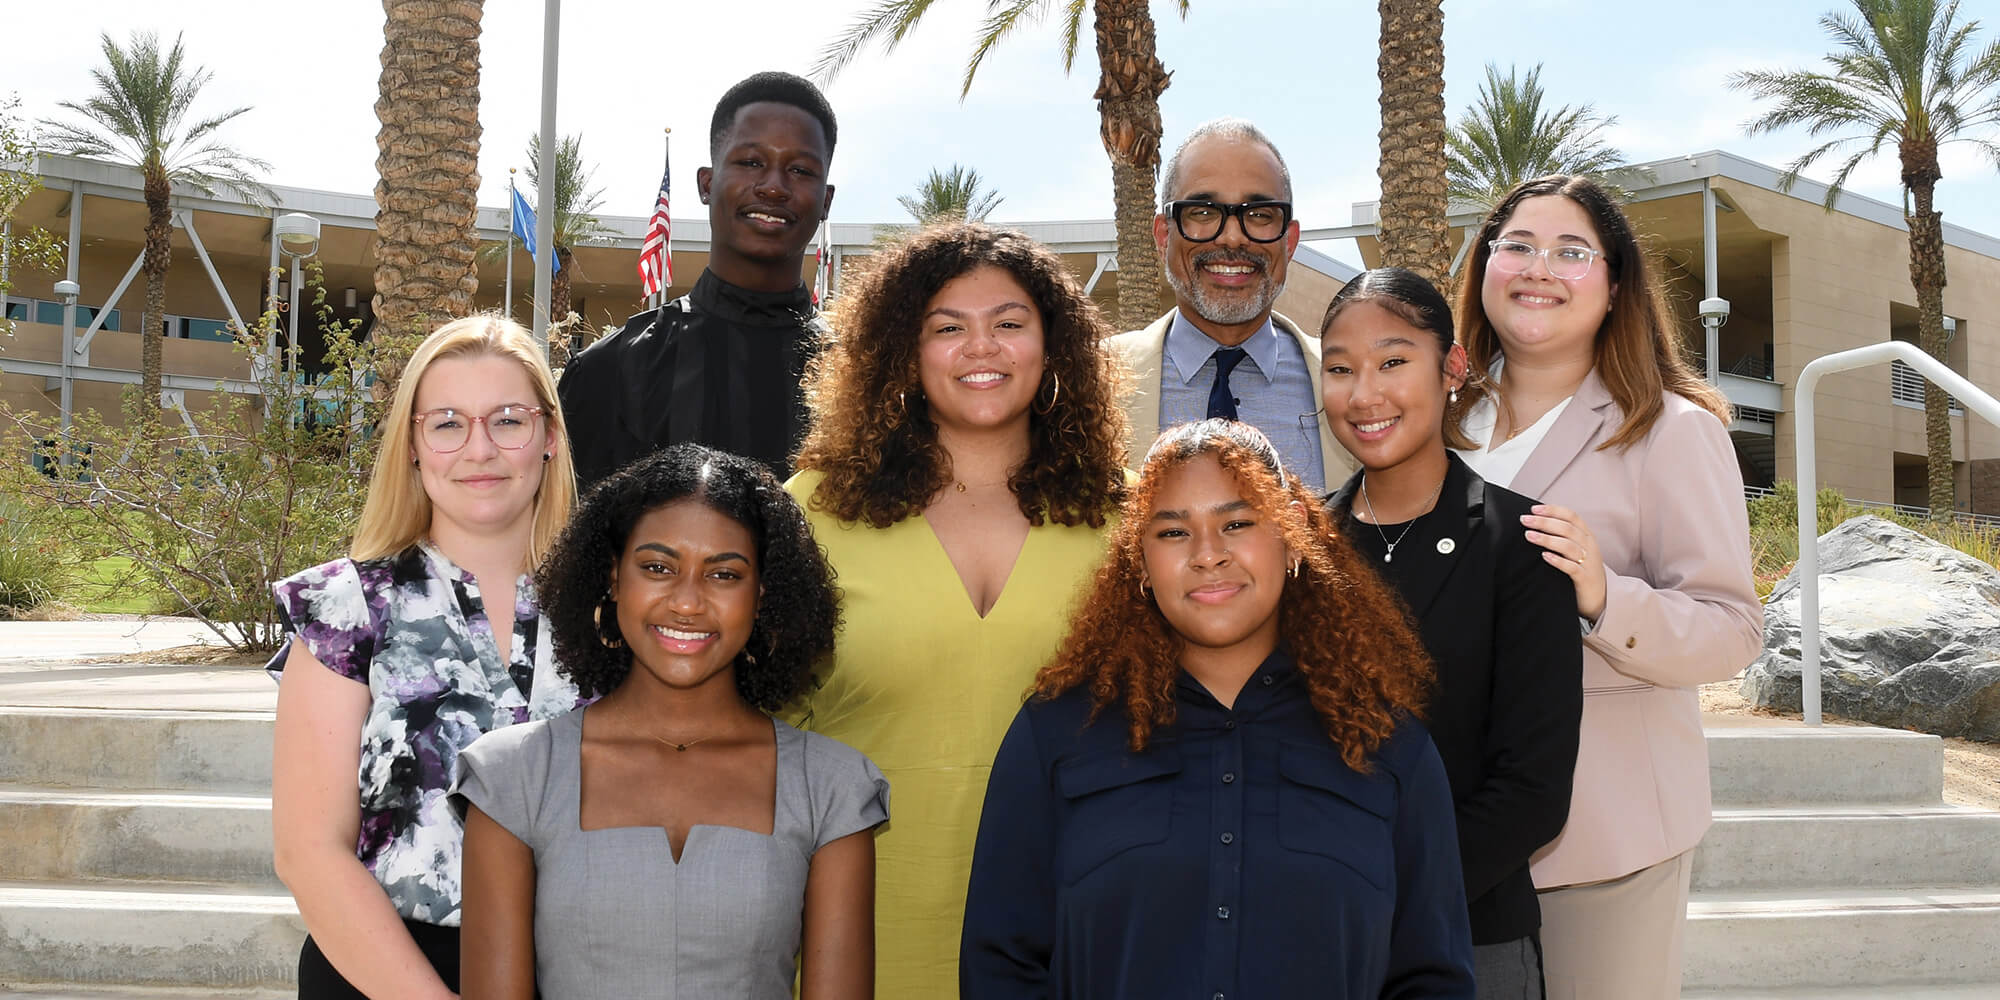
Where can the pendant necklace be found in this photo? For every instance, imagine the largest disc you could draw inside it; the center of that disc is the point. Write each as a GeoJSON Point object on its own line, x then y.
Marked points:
{"type": "Point", "coordinates": [683, 747]}
{"type": "Point", "coordinates": [1390, 555]}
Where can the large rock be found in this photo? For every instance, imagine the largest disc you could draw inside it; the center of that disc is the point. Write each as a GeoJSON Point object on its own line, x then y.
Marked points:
{"type": "Point", "coordinates": [1909, 634]}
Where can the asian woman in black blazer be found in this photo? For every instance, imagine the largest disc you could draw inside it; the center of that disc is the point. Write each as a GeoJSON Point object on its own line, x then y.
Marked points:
{"type": "Point", "coordinates": [1498, 620]}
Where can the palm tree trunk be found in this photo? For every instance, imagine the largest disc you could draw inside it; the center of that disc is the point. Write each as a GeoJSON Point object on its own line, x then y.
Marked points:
{"type": "Point", "coordinates": [559, 286]}
{"type": "Point", "coordinates": [1921, 174]}
{"type": "Point", "coordinates": [427, 162]}
{"type": "Point", "coordinates": [159, 257]}
{"type": "Point", "coordinates": [1130, 81]}
{"type": "Point", "coordinates": [1412, 168]}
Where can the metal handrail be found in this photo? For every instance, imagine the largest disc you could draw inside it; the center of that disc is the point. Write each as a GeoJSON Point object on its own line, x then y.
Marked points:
{"type": "Point", "coordinates": [1970, 396]}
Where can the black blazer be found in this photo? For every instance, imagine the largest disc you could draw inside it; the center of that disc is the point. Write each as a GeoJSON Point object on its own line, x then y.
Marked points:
{"type": "Point", "coordinates": [1500, 625]}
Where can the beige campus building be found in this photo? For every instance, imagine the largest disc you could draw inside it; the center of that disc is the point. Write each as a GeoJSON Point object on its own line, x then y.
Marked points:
{"type": "Point", "coordinates": [1801, 283]}
{"type": "Point", "coordinates": [226, 254]}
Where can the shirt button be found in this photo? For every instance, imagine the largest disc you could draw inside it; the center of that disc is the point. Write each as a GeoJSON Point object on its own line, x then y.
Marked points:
{"type": "Point", "coordinates": [1229, 838]}
{"type": "Point", "coordinates": [1222, 913]}
{"type": "Point", "coordinates": [1229, 777]}
{"type": "Point", "coordinates": [1269, 680]}
{"type": "Point", "coordinates": [1231, 724]}
{"type": "Point", "coordinates": [1219, 996]}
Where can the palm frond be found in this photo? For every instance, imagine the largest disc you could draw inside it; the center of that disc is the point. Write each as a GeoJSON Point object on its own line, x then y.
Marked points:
{"type": "Point", "coordinates": [1902, 71]}
{"type": "Point", "coordinates": [1073, 31]}
{"type": "Point", "coordinates": [139, 115]}
{"type": "Point", "coordinates": [950, 195]}
{"type": "Point", "coordinates": [1506, 137]}
{"type": "Point", "coordinates": [888, 22]}
{"type": "Point", "coordinates": [1003, 18]}
{"type": "Point", "coordinates": [576, 202]}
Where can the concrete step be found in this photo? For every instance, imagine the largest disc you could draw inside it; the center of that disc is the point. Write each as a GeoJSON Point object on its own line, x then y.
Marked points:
{"type": "Point", "coordinates": [74, 834]}
{"type": "Point", "coordinates": [1847, 938]}
{"type": "Point", "coordinates": [1801, 847]}
{"type": "Point", "coordinates": [66, 991]}
{"type": "Point", "coordinates": [1982, 991]}
{"type": "Point", "coordinates": [128, 937]}
{"type": "Point", "coordinates": [209, 752]}
{"type": "Point", "coordinates": [1829, 765]}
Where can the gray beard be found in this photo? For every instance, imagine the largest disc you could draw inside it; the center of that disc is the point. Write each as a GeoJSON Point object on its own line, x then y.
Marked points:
{"type": "Point", "coordinates": [1225, 312]}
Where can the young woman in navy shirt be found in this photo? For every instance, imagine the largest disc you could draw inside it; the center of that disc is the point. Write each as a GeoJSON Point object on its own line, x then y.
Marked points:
{"type": "Point", "coordinates": [1218, 788]}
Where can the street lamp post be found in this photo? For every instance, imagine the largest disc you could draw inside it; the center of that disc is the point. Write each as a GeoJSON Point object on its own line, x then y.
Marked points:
{"type": "Point", "coordinates": [298, 238]}
{"type": "Point", "coordinates": [67, 290]}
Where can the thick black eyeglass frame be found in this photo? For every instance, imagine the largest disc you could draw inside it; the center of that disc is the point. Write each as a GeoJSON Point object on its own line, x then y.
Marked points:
{"type": "Point", "coordinates": [1175, 209]}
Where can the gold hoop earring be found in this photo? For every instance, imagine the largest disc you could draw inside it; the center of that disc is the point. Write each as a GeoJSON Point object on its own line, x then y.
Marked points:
{"type": "Point", "coordinates": [1054, 394]}
{"type": "Point", "coordinates": [1145, 592]}
{"type": "Point", "coordinates": [1294, 571]}
{"type": "Point", "coordinates": [597, 619]}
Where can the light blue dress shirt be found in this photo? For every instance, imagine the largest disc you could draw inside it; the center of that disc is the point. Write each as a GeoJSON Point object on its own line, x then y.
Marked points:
{"type": "Point", "coordinates": [1275, 393]}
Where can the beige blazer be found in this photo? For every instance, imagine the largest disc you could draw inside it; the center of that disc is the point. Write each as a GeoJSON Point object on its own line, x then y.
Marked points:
{"type": "Point", "coordinates": [1679, 611]}
{"type": "Point", "coordinates": [1141, 351]}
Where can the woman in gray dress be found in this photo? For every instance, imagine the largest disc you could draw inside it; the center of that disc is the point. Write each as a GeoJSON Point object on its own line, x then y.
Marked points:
{"type": "Point", "coordinates": [672, 839]}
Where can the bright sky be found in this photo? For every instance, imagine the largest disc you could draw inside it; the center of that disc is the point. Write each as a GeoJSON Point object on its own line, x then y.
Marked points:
{"type": "Point", "coordinates": [1304, 70]}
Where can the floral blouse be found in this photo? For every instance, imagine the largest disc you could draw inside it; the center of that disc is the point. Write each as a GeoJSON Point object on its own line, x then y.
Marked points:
{"type": "Point", "coordinates": [414, 629]}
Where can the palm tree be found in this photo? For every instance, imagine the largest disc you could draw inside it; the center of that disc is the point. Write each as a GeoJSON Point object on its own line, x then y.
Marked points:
{"type": "Point", "coordinates": [1906, 72]}
{"type": "Point", "coordinates": [1506, 137]}
{"type": "Point", "coordinates": [1411, 69]}
{"type": "Point", "coordinates": [140, 115]}
{"type": "Point", "coordinates": [1130, 81]}
{"type": "Point", "coordinates": [952, 195]}
{"type": "Point", "coordinates": [576, 222]}
{"type": "Point", "coordinates": [427, 167]}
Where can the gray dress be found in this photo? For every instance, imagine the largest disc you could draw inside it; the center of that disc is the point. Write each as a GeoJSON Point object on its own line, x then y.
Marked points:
{"type": "Point", "coordinates": [616, 917]}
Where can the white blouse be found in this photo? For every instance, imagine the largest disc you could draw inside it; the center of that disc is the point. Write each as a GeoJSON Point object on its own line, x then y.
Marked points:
{"type": "Point", "coordinates": [1499, 464]}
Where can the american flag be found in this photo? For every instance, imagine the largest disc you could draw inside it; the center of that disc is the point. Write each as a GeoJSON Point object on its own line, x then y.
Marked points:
{"type": "Point", "coordinates": [656, 260]}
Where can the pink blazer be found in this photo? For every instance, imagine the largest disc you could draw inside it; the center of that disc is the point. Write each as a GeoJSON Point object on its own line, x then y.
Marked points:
{"type": "Point", "coordinates": [1669, 517]}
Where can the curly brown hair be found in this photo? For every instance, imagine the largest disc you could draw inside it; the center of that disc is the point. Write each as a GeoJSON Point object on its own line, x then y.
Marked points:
{"type": "Point", "coordinates": [1363, 666]}
{"type": "Point", "coordinates": [872, 436]}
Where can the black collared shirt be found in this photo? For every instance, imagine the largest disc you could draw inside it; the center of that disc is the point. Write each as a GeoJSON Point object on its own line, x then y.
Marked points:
{"type": "Point", "coordinates": [721, 366]}
{"type": "Point", "coordinates": [1238, 856]}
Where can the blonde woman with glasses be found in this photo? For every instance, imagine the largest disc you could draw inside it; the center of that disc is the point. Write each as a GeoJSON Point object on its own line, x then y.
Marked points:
{"type": "Point", "coordinates": [425, 636]}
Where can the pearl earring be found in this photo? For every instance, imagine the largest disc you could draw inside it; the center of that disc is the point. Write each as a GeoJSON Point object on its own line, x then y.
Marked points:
{"type": "Point", "coordinates": [1452, 397]}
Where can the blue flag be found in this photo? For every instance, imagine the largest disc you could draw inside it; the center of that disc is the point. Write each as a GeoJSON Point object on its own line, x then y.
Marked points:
{"type": "Point", "coordinates": [524, 227]}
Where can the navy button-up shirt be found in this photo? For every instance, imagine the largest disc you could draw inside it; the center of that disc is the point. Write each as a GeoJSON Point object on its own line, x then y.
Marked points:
{"type": "Point", "coordinates": [1238, 856]}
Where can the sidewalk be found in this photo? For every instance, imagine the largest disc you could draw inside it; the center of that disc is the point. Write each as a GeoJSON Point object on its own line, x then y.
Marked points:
{"type": "Point", "coordinates": [42, 665]}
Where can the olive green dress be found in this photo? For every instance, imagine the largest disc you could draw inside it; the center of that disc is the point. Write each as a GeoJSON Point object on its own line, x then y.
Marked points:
{"type": "Point", "coordinates": [926, 689]}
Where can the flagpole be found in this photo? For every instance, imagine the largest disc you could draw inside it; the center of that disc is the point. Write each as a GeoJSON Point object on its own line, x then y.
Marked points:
{"type": "Point", "coordinates": [507, 299]}
{"type": "Point", "coordinates": [666, 252]}
{"type": "Point", "coordinates": [545, 195]}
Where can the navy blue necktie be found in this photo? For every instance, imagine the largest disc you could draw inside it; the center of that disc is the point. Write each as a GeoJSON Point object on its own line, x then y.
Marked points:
{"type": "Point", "coordinates": [1222, 402]}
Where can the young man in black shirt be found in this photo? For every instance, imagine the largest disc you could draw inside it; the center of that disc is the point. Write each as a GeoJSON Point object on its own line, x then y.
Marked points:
{"type": "Point", "coordinates": [721, 366]}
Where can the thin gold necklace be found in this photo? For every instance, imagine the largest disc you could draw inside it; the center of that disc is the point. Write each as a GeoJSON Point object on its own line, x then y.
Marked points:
{"type": "Point", "coordinates": [1390, 555]}
{"type": "Point", "coordinates": [683, 747]}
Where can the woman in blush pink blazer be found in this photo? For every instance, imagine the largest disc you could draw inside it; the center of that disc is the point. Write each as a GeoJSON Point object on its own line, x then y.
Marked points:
{"type": "Point", "coordinates": [1587, 403]}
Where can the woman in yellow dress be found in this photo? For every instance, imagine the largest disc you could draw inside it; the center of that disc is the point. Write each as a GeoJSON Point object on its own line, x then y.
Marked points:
{"type": "Point", "coordinates": [965, 456]}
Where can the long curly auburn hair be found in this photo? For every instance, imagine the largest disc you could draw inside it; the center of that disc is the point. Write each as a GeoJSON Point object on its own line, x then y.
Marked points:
{"type": "Point", "coordinates": [872, 436]}
{"type": "Point", "coordinates": [1363, 666]}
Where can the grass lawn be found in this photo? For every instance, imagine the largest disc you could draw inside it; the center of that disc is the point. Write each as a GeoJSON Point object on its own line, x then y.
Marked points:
{"type": "Point", "coordinates": [106, 590]}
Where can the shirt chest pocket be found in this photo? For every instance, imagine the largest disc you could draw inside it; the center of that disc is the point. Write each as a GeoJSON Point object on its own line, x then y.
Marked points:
{"type": "Point", "coordinates": [1326, 809]}
{"type": "Point", "coordinates": [1116, 801]}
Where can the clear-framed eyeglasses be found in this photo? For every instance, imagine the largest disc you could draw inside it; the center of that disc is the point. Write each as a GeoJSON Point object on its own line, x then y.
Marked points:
{"type": "Point", "coordinates": [511, 427]}
{"type": "Point", "coordinates": [1202, 221]}
{"type": "Point", "coordinates": [1568, 262]}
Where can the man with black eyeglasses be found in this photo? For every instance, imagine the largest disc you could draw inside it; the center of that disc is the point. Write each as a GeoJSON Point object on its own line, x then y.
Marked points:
{"type": "Point", "coordinates": [1226, 232]}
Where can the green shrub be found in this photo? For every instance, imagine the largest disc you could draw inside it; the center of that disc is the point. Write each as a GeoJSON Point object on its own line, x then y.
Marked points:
{"type": "Point", "coordinates": [1774, 531]}
{"type": "Point", "coordinates": [259, 488]}
{"type": "Point", "coordinates": [32, 568]}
